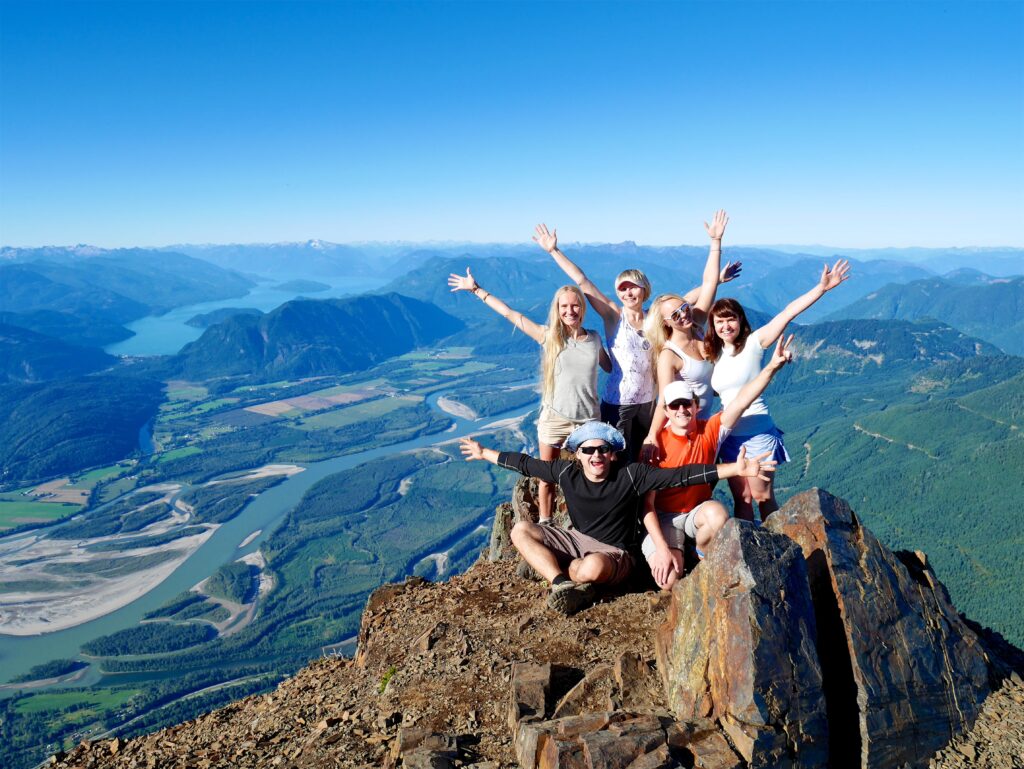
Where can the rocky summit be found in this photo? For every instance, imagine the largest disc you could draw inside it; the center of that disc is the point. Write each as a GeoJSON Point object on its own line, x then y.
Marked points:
{"type": "Point", "coordinates": [803, 643]}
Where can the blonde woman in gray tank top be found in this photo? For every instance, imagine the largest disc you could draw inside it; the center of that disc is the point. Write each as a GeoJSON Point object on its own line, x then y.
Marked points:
{"type": "Point", "coordinates": [569, 360]}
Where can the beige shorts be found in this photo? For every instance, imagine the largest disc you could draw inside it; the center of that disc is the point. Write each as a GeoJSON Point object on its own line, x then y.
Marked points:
{"type": "Point", "coordinates": [569, 544]}
{"type": "Point", "coordinates": [553, 428]}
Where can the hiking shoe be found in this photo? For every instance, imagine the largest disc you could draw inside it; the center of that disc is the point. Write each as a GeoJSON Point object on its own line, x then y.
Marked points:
{"type": "Point", "coordinates": [526, 571]}
{"type": "Point", "coordinates": [545, 522]}
{"type": "Point", "coordinates": [569, 597]}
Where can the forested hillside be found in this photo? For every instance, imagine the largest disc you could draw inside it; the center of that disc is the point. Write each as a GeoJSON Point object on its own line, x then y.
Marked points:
{"type": "Point", "coordinates": [990, 308]}
{"type": "Point", "coordinates": [309, 337]}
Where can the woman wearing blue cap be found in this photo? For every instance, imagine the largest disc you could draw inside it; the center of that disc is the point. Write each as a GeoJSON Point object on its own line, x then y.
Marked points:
{"type": "Point", "coordinates": [602, 496]}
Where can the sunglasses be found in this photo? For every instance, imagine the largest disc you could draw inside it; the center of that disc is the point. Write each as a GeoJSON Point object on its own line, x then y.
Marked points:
{"type": "Point", "coordinates": [680, 403]}
{"type": "Point", "coordinates": [679, 313]}
{"type": "Point", "coordinates": [603, 449]}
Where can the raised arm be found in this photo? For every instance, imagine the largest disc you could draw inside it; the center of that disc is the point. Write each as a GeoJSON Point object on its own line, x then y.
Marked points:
{"type": "Point", "coordinates": [601, 303]}
{"type": "Point", "coordinates": [730, 272]}
{"type": "Point", "coordinates": [753, 389]}
{"type": "Point", "coordinates": [468, 283]}
{"type": "Point", "coordinates": [511, 460]}
{"type": "Point", "coordinates": [830, 278]}
{"type": "Point", "coordinates": [709, 283]}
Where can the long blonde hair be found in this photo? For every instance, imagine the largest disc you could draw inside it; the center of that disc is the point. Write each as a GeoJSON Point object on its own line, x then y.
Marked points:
{"type": "Point", "coordinates": [555, 335]}
{"type": "Point", "coordinates": [655, 329]}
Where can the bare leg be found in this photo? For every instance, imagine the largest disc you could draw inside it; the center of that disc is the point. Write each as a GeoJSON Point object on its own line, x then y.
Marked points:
{"type": "Point", "coordinates": [709, 520]}
{"type": "Point", "coordinates": [545, 490]}
{"type": "Point", "coordinates": [592, 568]}
{"type": "Point", "coordinates": [742, 499]}
{"type": "Point", "coordinates": [528, 540]}
{"type": "Point", "coordinates": [763, 492]}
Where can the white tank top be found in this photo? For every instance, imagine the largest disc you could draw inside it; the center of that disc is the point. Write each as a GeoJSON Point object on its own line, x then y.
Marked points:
{"type": "Point", "coordinates": [733, 370]}
{"type": "Point", "coordinates": [697, 374]}
{"type": "Point", "coordinates": [632, 379]}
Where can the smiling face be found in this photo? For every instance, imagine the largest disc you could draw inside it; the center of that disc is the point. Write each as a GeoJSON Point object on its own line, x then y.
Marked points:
{"type": "Point", "coordinates": [597, 464]}
{"type": "Point", "coordinates": [727, 327]}
{"type": "Point", "coordinates": [570, 309]}
{"type": "Point", "coordinates": [682, 418]}
{"type": "Point", "coordinates": [677, 315]}
{"type": "Point", "coordinates": [630, 294]}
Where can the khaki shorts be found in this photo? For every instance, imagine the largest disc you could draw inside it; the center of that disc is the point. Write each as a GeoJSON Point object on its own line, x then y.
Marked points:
{"type": "Point", "coordinates": [553, 428]}
{"type": "Point", "coordinates": [569, 544]}
{"type": "Point", "coordinates": [675, 527]}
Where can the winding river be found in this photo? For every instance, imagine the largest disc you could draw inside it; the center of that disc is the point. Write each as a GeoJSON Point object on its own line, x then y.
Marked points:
{"type": "Point", "coordinates": [167, 334]}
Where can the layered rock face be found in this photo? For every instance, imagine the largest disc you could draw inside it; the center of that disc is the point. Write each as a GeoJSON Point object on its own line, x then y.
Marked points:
{"type": "Point", "coordinates": [739, 647]}
{"type": "Point", "coordinates": [903, 673]}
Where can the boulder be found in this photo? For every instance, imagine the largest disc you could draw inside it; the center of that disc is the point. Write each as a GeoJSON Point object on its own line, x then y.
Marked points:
{"type": "Point", "coordinates": [903, 674]}
{"type": "Point", "coordinates": [739, 647]}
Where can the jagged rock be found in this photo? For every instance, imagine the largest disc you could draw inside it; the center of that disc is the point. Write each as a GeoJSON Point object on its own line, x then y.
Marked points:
{"type": "Point", "coordinates": [523, 507]}
{"type": "Point", "coordinates": [637, 680]}
{"type": "Point", "coordinates": [595, 692]}
{"type": "Point", "coordinates": [528, 693]}
{"type": "Point", "coordinates": [903, 673]}
{"type": "Point", "coordinates": [739, 647]}
{"type": "Point", "coordinates": [501, 545]}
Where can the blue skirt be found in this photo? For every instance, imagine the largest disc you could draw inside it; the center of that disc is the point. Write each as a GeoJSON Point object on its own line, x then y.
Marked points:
{"type": "Point", "coordinates": [764, 443]}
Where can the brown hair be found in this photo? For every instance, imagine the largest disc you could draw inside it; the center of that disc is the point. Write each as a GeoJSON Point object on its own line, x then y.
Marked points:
{"type": "Point", "coordinates": [725, 308]}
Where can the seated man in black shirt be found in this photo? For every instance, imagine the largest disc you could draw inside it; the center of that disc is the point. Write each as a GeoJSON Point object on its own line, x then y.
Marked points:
{"type": "Point", "coordinates": [602, 496]}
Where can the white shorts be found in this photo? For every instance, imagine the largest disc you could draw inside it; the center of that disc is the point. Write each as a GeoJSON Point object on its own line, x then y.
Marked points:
{"type": "Point", "coordinates": [675, 528]}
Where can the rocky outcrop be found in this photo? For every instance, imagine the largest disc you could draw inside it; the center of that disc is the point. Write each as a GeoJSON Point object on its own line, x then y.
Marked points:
{"type": "Point", "coordinates": [904, 674]}
{"type": "Point", "coordinates": [739, 647]}
{"type": "Point", "coordinates": [477, 673]}
{"type": "Point", "coordinates": [523, 507]}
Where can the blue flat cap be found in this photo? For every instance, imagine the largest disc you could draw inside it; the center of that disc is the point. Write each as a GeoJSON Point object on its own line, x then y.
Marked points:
{"type": "Point", "coordinates": [589, 431]}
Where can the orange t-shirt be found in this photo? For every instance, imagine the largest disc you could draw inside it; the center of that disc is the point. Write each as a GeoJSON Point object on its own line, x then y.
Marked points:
{"type": "Point", "coordinates": [678, 450]}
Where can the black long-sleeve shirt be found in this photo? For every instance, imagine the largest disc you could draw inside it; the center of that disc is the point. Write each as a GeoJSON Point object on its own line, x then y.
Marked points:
{"type": "Point", "coordinates": [607, 510]}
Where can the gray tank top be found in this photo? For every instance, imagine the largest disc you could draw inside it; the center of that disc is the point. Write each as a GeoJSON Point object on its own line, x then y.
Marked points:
{"type": "Point", "coordinates": [575, 391]}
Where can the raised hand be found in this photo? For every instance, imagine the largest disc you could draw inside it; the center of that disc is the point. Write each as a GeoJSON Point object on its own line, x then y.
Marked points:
{"type": "Point", "coordinates": [462, 283]}
{"type": "Point", "coordinates": [783, 353]}
{"type": "Point", "coordinates": [716, 229]}
{"type": "Point", "coordinates": [731, 271]}
{"type": "Point", "coordinates": [546, 240]}
{"type": "Point", "coordinates": [754, 467]}
{"type": "Point", "coordinates": [834, 275]}
{"type": "Point", "coordinates": [471, 449]}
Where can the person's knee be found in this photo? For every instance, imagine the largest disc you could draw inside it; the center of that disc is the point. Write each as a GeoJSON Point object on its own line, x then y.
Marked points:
{"type": "Point", "coordinates": [763, 494]}
{"type": "Point", "coordinates": [522, 532]}
{"type": "Point", "coordinates": [715, 514]}
{"type": "Point", "coordinates": [592, 568]}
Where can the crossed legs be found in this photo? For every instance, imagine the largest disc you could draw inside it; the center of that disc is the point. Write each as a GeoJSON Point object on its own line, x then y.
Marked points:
{"type": "Point", "coordinates": [528, 539]}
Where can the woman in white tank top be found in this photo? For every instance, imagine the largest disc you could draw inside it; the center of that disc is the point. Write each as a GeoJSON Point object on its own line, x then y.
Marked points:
{"type": "Point", "coordinates": [673, 327]}
{"type": "Point", "coordinates": [737, 351]}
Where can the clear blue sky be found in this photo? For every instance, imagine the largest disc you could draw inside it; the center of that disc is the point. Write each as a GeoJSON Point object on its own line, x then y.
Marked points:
{"type": "Point", "coordinates": [853, 124]}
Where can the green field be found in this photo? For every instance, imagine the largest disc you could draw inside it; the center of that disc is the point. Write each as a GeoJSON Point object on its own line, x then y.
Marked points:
{"type": "Point", "coordinates": [359, 412]}
{"type": "Point", "coordinates": [184, 451]}
{"type": "Point", "coordinates": [11, 511]}
{"type": "Point", "coordinates": [80, 698]}
{"type": "Point", "coordinates": [193, 393]}
{"type": "Point", "coordinates": [90, 479]}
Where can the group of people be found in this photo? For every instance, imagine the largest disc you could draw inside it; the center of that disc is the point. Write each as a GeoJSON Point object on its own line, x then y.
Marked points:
{"type": "Point", "coordinates": [664, 366]}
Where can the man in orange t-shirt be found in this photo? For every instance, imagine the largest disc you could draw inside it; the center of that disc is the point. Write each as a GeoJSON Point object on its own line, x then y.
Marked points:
{"type": "Point", "coordinates": [671, 515]}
